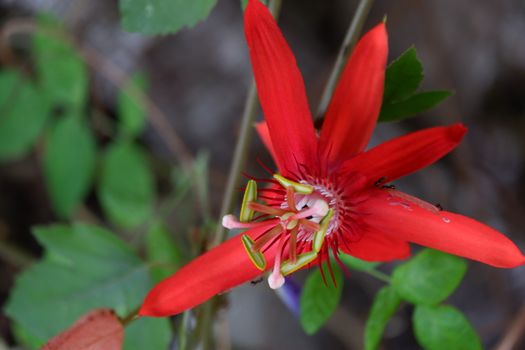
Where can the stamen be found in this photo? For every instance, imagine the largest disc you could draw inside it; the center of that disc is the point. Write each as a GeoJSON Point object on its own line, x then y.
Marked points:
{"type": "Point", "coordinates": [256, 257]}
{"type": "Point", "coordinates": [289, 267]}
{"type": "Point", "coordinates": [250, 195]}
{"type": "Point", "coordinates": [298, 187]}
{"type": "Point", "coordinates": [290, 197]}
{"type": "Point", "coordinates": [320, 235]}
{"type": "Point", "coordinates": [265, 238]}
{"type": "Point", "coordinates": [266, 209]}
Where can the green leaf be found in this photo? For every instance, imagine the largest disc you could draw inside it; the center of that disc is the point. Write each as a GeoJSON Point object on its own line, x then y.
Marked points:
{"type": "Point", "coordinates": [25, 338]}
{"type": "Point", "coordinates": [319, 301]}
{"type": "Point", "coordinates": [61, 72]}
{"type": "Point", "coordinates": [420, 102]}
{"type": "Point", "coordinates": [429, 278]}
{"type": "Point", "coordinates": [132, 112]}
{"type": "Point", "coordinates": [162, 16]}
{"type": "Point", "coordinates": [162, 252]}
{"type": "Point", "coordinates": [126, 189]}
{"type": "Point", "coordinates": [23, 114]}
{"type": "Point", "coordinates": [403, 76]}
{"type": "Point", "coordinates": [69, 162]}
{"type": "Point", "coordinates": [84, 267]}
{"type": "Point", "coordinates": [357, 264]}
{"type": "Point", "coordinates": [384, 307]}
{"type": "Point", "coordinates": [402, 79]}
{"type": "Point", "coordinates": [148, 333]}
{"type": "Point", "coordinates": [444, 327]}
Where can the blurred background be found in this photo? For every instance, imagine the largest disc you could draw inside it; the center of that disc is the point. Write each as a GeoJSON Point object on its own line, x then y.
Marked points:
{"type": "Point", "coordinates": [199, 79]}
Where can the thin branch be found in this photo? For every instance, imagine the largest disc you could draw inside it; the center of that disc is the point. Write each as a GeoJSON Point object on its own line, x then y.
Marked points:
{"type": "Point", "coordinates": [515, 332]}
{"type": "Point", "coordinates": [352, 35]}
{"type": "Point", "coordinates": [14, 256]}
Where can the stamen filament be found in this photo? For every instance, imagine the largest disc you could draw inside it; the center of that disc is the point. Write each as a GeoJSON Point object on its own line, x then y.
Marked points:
{"type": "Point", "coordinates": [266, 209]}
{"type": "Point", "coordinates": [266, 237]}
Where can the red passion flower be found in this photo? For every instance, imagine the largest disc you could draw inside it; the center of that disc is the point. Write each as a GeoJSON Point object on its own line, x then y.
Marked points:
{"type": "Point", "coordinates": [330, 194]}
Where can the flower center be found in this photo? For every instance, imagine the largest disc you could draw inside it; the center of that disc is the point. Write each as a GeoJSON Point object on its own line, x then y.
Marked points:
{"type": "Point", "coordinates": [296, 220]}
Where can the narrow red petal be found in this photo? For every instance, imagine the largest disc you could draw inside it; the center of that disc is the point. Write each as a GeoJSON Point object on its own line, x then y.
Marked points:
{"type": "Point", "coordinates": [406, 154]}
{"type": "Point", "coordinates": [375, 246]}
{"type": "Point", "coordinates": [216, 271]}
{"type": "Point", "coordinates": [449, 232]}
{"type": "Point", "coordinates": [281, 90]}
{"type": "Point", "coordinates": [354, 109]}
{"type": "Point", "coordinates": [264, 134]}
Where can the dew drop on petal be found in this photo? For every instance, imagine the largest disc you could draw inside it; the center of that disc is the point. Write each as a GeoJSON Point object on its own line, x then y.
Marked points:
{"type": "Point", "coordinates": [446, 220]}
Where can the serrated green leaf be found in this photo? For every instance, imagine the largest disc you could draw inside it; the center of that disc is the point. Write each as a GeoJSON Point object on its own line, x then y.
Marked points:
{"type": "Point", "coordinates": [444, 327]}
{"type": "Point", "coordinates": [385, 305]}
{"type": "Point", "coordinates": [126, 188]}
{"type": "Point", "coordinates": [23, 114]}
{"type": "Point", "coordinates": [25, 338]}
{"type": "Point", "coordinates": [403, 76]}
{"type": "Point", "coordinates": [85, 267]}
{"type": "Point", "coordinates": [162, 252]}
{"type": "Point", "coordinates": [319, 301]}
{"type": "Point", "coordinates": [429, 278]}
{"type": "Point", "coordinates": [69, 162]}
{"type": "Point", "coordinates": [162, 16]}
{"type": "Point", "coordinates": [61, 73]}
{"type": "Point", "coordinates": [420, 102]}
{"type": "Point", "coordinates": [357, 264]}
{"type": "Point", "coordinates": [131, 112]}
{"type": "Point", "coordinates": [148, 333]}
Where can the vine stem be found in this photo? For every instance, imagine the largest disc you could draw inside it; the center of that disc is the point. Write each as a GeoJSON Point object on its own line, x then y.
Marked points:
{"type": "Point", "coordinates": [378, 275]}
{"type": "Point", "coordinates": [351, 37]}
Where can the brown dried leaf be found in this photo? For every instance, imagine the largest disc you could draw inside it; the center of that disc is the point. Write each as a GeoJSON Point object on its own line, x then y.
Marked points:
{"type": "Point", "coordinates": [97, 330]}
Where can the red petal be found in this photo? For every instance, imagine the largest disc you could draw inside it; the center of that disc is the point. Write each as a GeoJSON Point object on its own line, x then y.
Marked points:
{"type": "Point", "coordinates": [406, 154]}
{"type": "Point", "coordinates": [97, 330]}
{"type": "Point", "coordinates": [216, 271]}
{"type": "Point", "coordinates": [353, 111]}
{"type": "Point", "coordinates": [449, 232]}
{"type": "Point", "coordinates": [375, 246]}
{"type": "Point", "coordinates": [281, 90]}
{"type": "Point", "coordinates": [264, 134]}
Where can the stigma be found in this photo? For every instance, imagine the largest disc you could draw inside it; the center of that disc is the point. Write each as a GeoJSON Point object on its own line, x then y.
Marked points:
{"type": "Point", "coordinates": [298, 217]}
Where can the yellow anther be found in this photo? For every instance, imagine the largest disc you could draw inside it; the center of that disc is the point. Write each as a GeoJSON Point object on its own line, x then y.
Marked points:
{"type": "Point", "coordinates": [250, 195]}
{"type": "Point", "coordinates": [304, 259]}
{"type": "Point", "coordinates": [298, 187]}
{"type": "Point", "coordinates": [320, 235]}
{"type": "Point", "coordinates": [256, 257]}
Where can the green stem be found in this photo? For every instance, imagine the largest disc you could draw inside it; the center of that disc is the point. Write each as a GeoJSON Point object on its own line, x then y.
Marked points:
{"type": "Point", "coordinates": [15, 256]}
{"type": "Point", "coordinates": [352, 35]}
{"type": "Point", "coordinates": [379, 275]}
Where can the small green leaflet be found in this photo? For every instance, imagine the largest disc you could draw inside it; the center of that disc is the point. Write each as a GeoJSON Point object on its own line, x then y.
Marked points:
{"type": "Point", "coordinates": [131, 111]}
{"type": "Point", "coordinates": [385, 305]}
{"type": "Point", "coordinates": [162, 252]}
{"type": "Point", "coordinates": [444, 327]}
{"type": "Point", "coordinates": [319, 301]}
{"type": "Point", "coordinates": [61, 72]}
{"type": "Point", "coordinates": [148, 333]}
{"type": "Point", "coordinates": [163, 16]}
{"type": "Point", "coordinates": [126, 188]}
{"type": "Point", "coordinates": [84, 267]}
{"type": "Point", "coordinates": [69, 162]}
{"type": "Point", "coordinates": [402, 79]}
{"type": "Point", "coordinates": [429, 278]}
{"type": "Point", "coordinates": [23, 115]}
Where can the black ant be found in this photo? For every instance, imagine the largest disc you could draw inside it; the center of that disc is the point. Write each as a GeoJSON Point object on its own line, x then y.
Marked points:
{"type": "Point", "coordinates": [257, 281]}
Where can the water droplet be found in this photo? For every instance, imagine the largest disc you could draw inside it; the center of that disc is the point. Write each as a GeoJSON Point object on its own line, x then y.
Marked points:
{"type": "Point", "coordinates": [446, 220]}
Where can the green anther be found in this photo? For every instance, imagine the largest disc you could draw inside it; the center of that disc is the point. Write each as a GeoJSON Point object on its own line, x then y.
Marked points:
{"type": "Point", "coordinates": [250, 195]}
{"type": "Point", "coordinates": [320, 235]}
{"type": "Point", "coordinates": [288, 267]}
{"type": "Point", "coordinates": [297, 187]}
{"type": "Point", "coordinates": [256, 257]}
